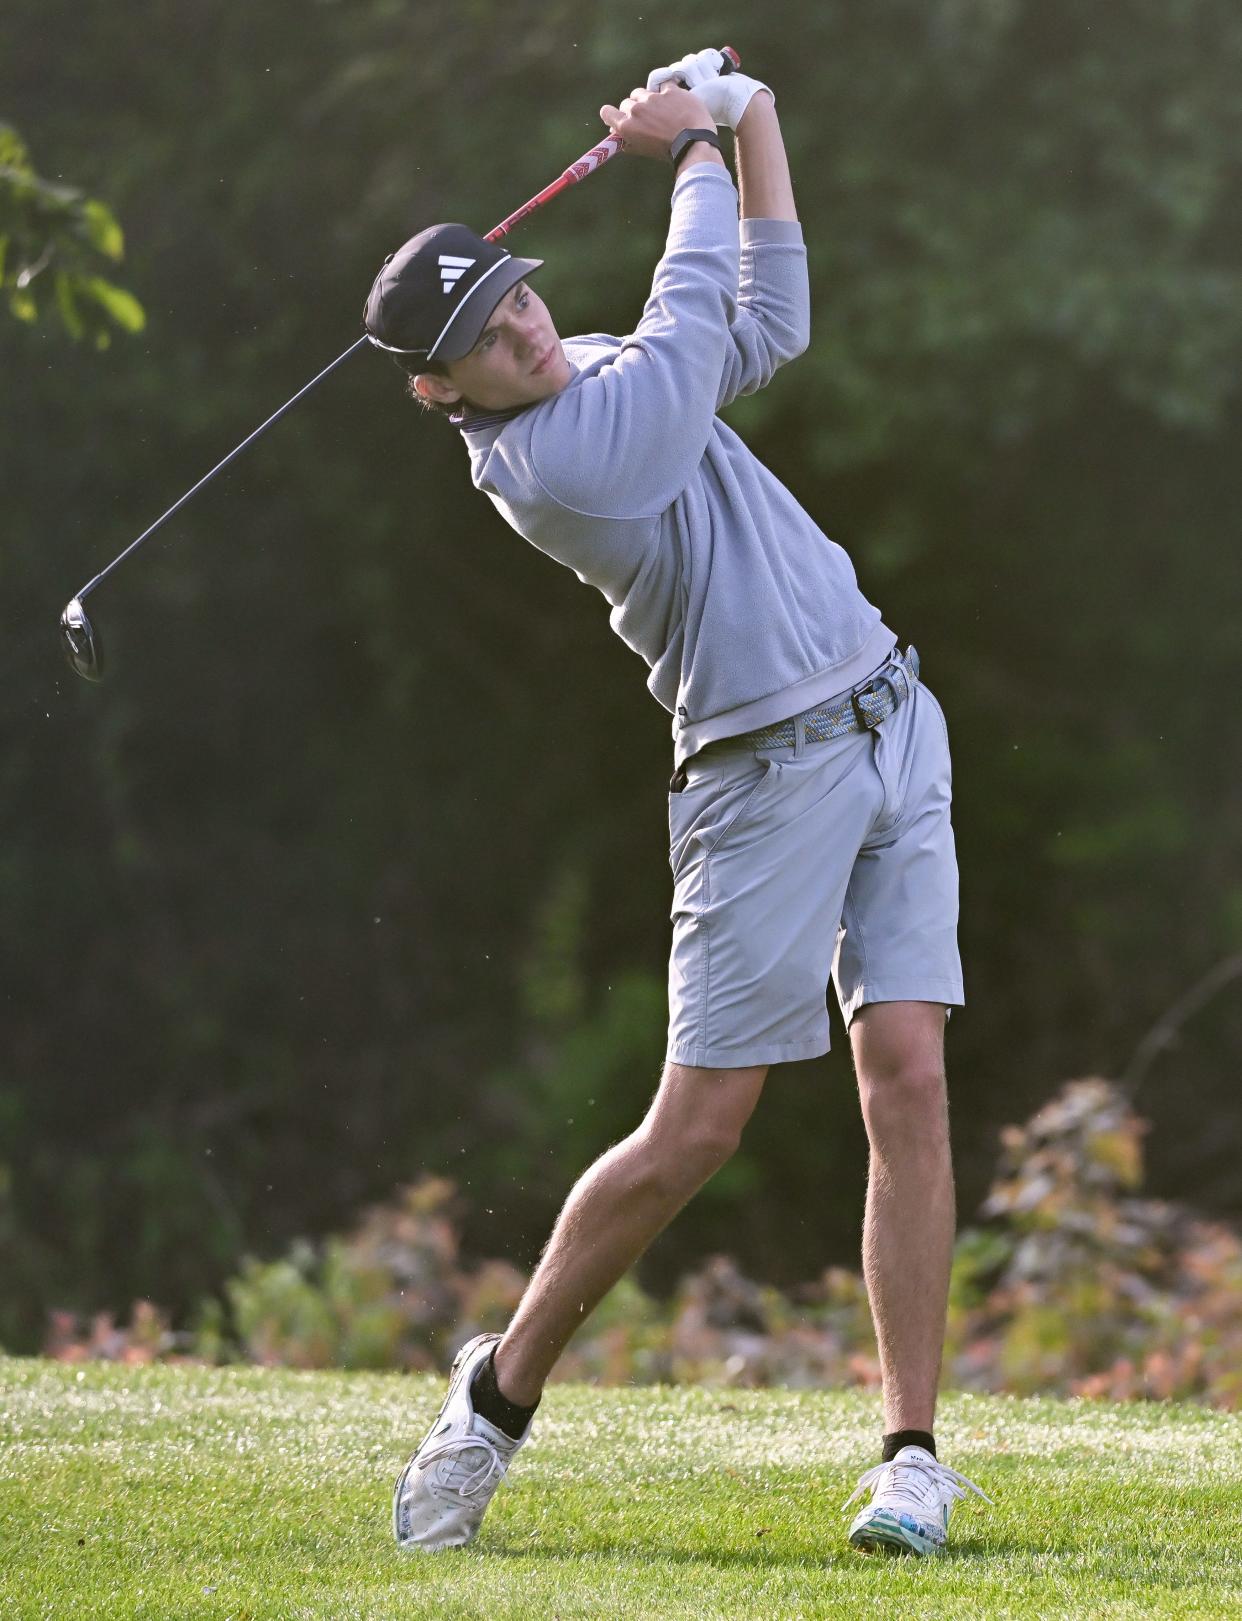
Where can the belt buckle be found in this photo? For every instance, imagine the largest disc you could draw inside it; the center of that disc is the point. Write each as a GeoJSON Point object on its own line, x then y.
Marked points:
{"type": "Point", "coordinates": [866, 723]}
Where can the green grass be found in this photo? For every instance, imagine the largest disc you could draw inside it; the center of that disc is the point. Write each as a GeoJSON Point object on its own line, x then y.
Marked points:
{"type": "Point", "coordinates": [235, 1495]}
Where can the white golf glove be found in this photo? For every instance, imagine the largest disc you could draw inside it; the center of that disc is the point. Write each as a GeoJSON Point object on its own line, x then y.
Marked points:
{"type": "Point", "coordinates": [726, 98]}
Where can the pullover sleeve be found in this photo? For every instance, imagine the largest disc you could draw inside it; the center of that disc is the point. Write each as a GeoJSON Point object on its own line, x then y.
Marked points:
{"type": "Point", "coordinates": [773, 320]}
{"type": "Point", "coordinates": [626, 441]}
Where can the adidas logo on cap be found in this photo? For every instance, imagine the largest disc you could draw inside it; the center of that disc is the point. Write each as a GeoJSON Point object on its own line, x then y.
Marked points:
{"type": "Point", "coordinates": [432, 296]}
{"type": "Point", "coordinates": [452, 269]}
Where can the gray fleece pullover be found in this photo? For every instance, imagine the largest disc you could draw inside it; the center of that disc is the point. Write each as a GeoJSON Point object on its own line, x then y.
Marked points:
{"type": "Point", "coordinates": [742, 607]}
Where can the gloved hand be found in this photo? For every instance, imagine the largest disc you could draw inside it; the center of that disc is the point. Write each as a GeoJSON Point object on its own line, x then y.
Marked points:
{"type": "Point", "coordinates": [725, 98]}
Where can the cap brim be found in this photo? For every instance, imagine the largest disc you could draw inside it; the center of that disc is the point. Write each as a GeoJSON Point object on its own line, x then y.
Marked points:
{"type": "Point", "coordinates": [472, 315]}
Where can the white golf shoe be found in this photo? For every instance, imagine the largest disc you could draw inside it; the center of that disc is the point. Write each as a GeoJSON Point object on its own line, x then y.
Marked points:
{"type": "Point", "coordinates": [442, 1494]}
{"type": "Point", "coordinates": [911, 1499]}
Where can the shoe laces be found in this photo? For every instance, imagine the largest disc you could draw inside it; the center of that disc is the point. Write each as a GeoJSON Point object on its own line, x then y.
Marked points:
{"type": "Point", "coordinates": [490, 1472]}
{"type": "Point", "coordinates": [914, 1479]}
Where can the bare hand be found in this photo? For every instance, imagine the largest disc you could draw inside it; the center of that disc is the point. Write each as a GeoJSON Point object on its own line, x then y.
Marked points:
{"type": "Point", "coordinates": [648, 120]}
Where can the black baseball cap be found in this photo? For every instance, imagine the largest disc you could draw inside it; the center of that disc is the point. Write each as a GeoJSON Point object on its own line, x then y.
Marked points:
{"type": "Point", "coordinates": [433, 296]}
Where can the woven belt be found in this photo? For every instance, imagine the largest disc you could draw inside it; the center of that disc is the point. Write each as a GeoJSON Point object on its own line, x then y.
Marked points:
{"type": "Point", "coordinates": [861, 711]}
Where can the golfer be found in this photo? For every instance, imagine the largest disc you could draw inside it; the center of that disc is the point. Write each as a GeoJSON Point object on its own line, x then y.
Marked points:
{"type": "Point", "coordinates": [809, 805]}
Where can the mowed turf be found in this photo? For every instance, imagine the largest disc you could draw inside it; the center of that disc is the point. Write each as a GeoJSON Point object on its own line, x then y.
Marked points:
{"type": "Point", "coordinates": [240, 1494]}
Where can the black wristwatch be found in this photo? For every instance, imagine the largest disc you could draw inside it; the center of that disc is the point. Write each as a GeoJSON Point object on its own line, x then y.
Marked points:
{"type": "Point", "coordinates": [687, 137]}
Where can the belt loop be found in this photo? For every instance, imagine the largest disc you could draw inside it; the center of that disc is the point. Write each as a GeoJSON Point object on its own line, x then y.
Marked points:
{"type": "Point", "coordinates": [799, 735]}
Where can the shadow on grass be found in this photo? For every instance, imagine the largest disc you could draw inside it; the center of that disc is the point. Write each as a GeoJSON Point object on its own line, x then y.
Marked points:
{"type": "Point", "coordinates": [768, 1557]}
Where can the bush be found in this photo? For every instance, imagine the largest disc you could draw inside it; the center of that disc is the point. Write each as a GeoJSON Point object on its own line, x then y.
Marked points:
{"type": "Point", "coordinates": [1082, 1288]}
{"type": "Point", "coordinates": [1072, 1285]}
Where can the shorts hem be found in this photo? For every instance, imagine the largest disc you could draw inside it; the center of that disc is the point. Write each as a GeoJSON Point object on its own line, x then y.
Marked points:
{"type": "Point", "coordinates": [947, 991]}
{"type": "Point", "coordinates": [779, 1052]}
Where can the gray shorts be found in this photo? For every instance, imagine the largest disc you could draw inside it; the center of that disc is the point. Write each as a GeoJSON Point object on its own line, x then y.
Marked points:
{"type": "Point", "coordinates": [793, 863]}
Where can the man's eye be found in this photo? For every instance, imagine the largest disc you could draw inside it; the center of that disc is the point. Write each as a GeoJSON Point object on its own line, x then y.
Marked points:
{"type": "Point", "coordinates": [523, 300]}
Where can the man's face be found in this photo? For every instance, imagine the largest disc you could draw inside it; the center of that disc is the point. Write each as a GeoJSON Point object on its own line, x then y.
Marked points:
{"type": "Point", "coordinates": [499, 371]}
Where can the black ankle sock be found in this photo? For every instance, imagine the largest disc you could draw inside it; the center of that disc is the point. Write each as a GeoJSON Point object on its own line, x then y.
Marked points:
{"type": "Point", "coordinates": [496, 1408]}
{"type": "Point", "coordinates": [894, 1442]}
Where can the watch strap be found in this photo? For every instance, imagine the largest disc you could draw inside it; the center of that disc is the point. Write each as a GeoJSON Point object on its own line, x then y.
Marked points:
{"type": "Point", "coordinates": [687, 137]}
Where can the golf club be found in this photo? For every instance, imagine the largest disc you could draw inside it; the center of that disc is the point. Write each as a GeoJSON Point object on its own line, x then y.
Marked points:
{"type": "Point", "coordinates": [80, 638]}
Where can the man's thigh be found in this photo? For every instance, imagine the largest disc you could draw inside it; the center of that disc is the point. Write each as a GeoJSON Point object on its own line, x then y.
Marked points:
{"type": "Point", "coordinates": [898, 935]}
{"type": "Point", "coordinates": [691, 1099]}
{"type": "Point", "coordinates": [762, 844]}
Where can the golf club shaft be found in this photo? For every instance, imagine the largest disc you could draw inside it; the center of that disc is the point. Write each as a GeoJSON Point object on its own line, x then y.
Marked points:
{"type": "Point", "coordinates": [587, 164]}
{"type": "Point", "coordinates": [219, 467]}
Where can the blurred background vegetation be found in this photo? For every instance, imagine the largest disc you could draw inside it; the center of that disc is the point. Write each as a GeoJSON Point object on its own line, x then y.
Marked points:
{"type": "Point", "coordinates": [355, 868]}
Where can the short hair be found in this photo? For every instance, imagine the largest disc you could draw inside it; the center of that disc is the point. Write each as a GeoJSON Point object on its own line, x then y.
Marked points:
{"type": "Point", "coordinates": [413, 368]}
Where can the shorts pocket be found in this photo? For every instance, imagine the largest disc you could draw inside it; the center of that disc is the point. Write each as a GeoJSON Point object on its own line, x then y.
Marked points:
{"type": "Point", "coordinates": [720, 801]}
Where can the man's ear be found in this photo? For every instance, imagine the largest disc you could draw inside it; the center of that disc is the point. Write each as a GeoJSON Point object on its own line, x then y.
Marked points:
{"type": "Point", "coordinates": [439, 389]}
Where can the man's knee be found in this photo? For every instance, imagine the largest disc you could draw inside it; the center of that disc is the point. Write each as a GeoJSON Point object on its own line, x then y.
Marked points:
{"type": "Point", "coordinates": [906, 1097]}
{"type": "Point", "coordinates": [696, 1121]}
{"type": "Point", "coordinates": [899, 1049]}
{"type": "Point", "coordinates": [917, 1088]}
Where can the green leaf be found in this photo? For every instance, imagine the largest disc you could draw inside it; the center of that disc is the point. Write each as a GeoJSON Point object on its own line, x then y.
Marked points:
{"type": "Point", "coordinates": [12, 148]}
{"type": "Point", "coordinates": [123, 307]}
{"type": "Point", "coordinates": [67, 305]}
{"type": "Point", "coordinates": [102, 230]}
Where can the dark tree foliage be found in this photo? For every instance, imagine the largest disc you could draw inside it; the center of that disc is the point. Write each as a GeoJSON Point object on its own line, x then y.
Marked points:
{"type": "Point", "coordinates": [355, 866]}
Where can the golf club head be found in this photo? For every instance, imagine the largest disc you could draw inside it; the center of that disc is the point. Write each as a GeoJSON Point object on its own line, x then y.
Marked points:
{"type": "Point", "coordinates": [81, 642]}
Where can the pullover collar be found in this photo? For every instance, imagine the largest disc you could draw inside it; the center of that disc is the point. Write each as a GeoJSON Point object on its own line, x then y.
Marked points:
{"type": "Point", "coordinates": [475, 421]}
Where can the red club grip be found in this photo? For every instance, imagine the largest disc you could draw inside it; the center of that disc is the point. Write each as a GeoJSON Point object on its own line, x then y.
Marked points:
{"type": "Point", "coordinates": [587, 164]}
